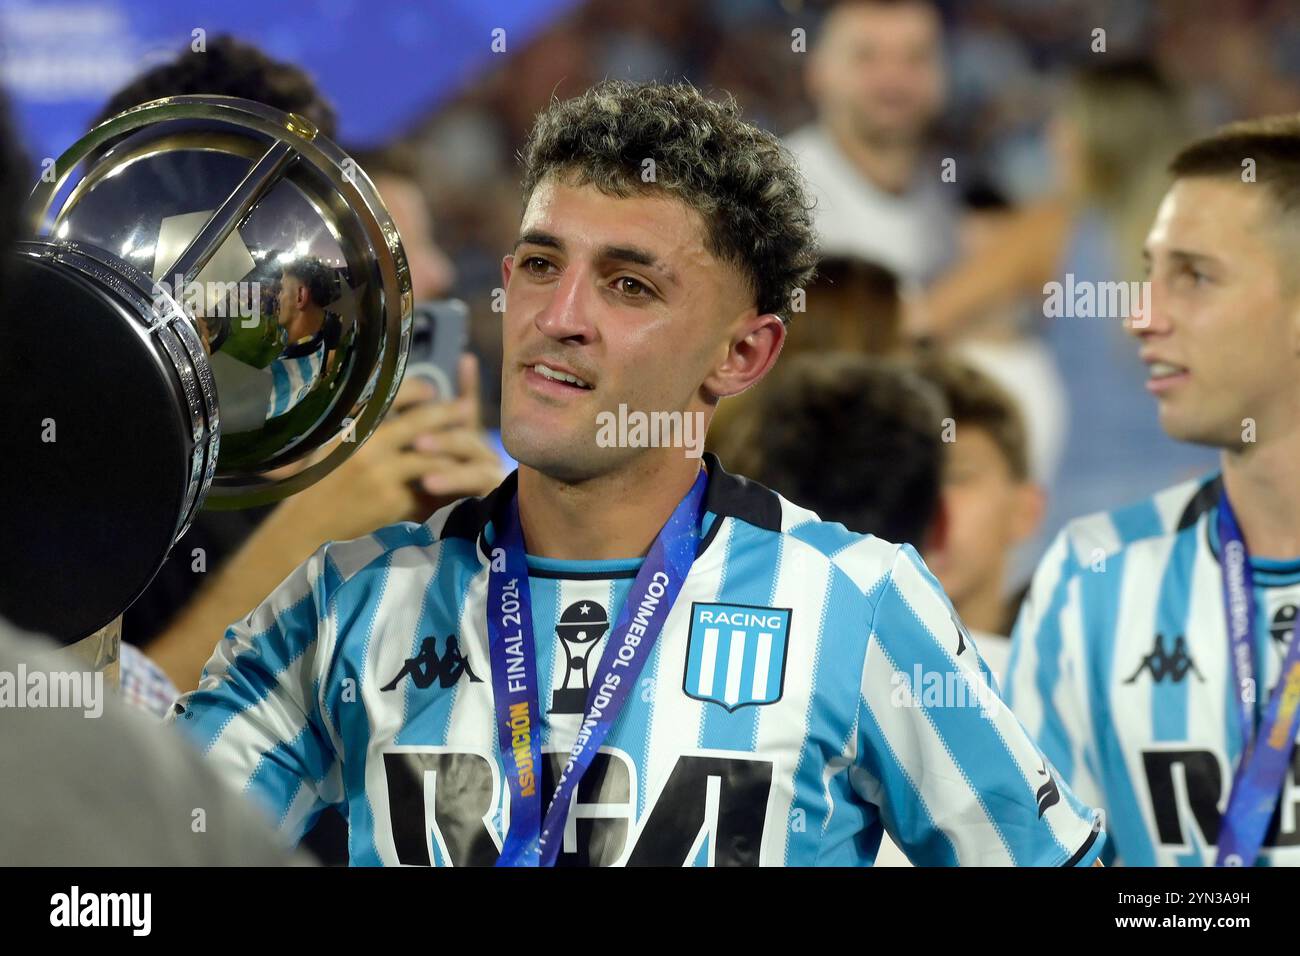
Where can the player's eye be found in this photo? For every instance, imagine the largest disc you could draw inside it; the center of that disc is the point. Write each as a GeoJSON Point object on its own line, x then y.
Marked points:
{"type": "Point", "coordinates": [538, 266]}
{"type": "Point", "coordinates": [1191, 275]}
{"type": "Point", "coordinates": [632, 288]}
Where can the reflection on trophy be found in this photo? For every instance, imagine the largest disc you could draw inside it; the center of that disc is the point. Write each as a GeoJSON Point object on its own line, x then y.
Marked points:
{"type": "Point", "coordinates": [581, 627]}
{"type": "Point", "coordinates": [311, 333]}
{"type": "Point", "coordinates": [214, 312]}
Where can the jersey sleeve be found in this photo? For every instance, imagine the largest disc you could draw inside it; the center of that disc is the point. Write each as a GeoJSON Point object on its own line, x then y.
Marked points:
{"type": "Point", "coordinates": [255, 714]}
{"type": "Point", "coordinates": [957, 779]}
{"type": "Point", "coordinates": [1046, 681]}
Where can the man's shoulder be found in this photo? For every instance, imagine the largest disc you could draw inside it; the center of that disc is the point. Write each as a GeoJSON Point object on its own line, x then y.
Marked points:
{"type": "Point", "coordinates": [1142, 526]}
{"type": "Point", "coordinates": [806, 138]}
{"type": "Point", "coordinates": [818, 157]}
{"type": "Point", "coordinates": [764, 516]}
{"type": "Point", "coordinates": [447, 542]}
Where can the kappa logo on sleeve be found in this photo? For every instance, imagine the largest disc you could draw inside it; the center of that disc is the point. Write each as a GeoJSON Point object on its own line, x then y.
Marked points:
{"type": "Point", "coordinates": [735, 654]}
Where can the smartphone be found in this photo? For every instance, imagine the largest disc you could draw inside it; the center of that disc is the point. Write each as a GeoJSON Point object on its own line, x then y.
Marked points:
{"type": "Point", "coordinates": [439, 336]}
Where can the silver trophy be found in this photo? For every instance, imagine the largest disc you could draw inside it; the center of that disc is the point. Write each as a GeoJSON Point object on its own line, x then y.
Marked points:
{"type": "Point", "coordinates": [214, 312]}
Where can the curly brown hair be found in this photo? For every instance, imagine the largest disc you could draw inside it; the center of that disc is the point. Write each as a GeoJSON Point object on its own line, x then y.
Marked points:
{"type": "Point", "coordinates": [739, 178]}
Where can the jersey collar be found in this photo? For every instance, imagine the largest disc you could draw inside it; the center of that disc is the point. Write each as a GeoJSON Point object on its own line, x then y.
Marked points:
{"type": "Point", "coordinates": [727, 496]}
{"type": "Point", "coordinates": [1205, 503]}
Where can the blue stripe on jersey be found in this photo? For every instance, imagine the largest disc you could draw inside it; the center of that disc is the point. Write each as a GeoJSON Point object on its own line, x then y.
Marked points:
{"type": "Point", "coordinates": [284, 769]}
{"type": "Point", "coordinates": [827, 538]}
{"type": "Point", "coordinates": [1272, 574]}
{"type": "Point", "coordinates": [927, 844]}
{"type": "Point", "coordinates": [279, 390]}
{"type": "Point", "coordinates": [1007, 688]}
{"type": "Point", "coordinates": [749, 577]}
{"type": "Point", "coordinates": [1169, 698]}
{"type": "Point", "coordinates": [357, 608]}
{"type": "Point", "coordinates": [1138, 520]}
{"type": "Point", "coordinates": [396, 536]}
{"type": "Point", "coordinates": [255, 671]}
{"type": "Point", "coordinates": [427, 716]}
{"type": "Point", "coordinates": [568, 568]}
{"type": "Point", "coordinates": [545, 593]}
{"type": "Point", "coordinates": [1053, 738]}
{"type": "Point", "coordinates": [851, 831]}
{"type": "Point", "coordinates": [328, 582]}
{"type": "Point", "coordinates": [1099, 592]}
{"type": "Point", "coordinates": [831, 703]}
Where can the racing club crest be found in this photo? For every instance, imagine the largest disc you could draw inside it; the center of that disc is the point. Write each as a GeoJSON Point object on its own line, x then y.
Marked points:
{"type": "Point", "coordinates": [735, 654]}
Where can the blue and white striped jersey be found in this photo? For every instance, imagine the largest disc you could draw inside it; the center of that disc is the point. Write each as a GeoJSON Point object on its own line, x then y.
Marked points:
{"type": "Point", "coordinates": [810, 687]}
{"type": "Point", "coordinates": [293, 376]}
{"type": "Point", "coordinates": [1120, 669]}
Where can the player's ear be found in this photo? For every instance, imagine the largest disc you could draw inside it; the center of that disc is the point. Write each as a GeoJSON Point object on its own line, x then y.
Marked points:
{"type": "Point", "coordinates": [752, 352]}
{"type": "Point", "coordinates": [507, 267]}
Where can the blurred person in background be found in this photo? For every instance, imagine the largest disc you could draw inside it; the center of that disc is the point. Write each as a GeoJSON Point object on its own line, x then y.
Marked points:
{"type": "Point", "coordinates": [857, 439]}
{"type": "Point", "coordinates": [425, 453]}
{"type": "Point", "coordinates": [875, 75]}
{"type": "Point", "coordinates": [852, 306]}
{"type": "Point", "coordinates": [1117, 126]}
{"type": "Point", "coordinates": [991, 505]}
{"type": "Point", "coordinates": [395, 172]}
{"type": "Point", "coordinates": [1002, 340]}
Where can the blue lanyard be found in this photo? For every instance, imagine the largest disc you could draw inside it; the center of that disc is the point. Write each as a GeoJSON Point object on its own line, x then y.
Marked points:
{"type": "Point", "coordinates": [1266, 756]}
{"type": "Point", "coordinates": [534, 840]}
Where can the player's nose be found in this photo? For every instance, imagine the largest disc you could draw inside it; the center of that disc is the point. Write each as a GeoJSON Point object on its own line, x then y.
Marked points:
{"type": "Point", "coordinates": [566, 314]}
{"type": "Point", "coordinates": [1149, 314]}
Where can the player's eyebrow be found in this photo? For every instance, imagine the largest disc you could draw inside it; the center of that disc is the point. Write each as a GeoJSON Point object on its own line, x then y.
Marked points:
{"type": "Point", "coordinates": [1182, 257]}
{"type": "Point", "coordinates": [606, 254]}
{"type": "Point", "coordinates": [537, 238]}
{"type": "Point", "coordinates": [638, 256]}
